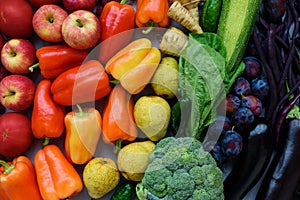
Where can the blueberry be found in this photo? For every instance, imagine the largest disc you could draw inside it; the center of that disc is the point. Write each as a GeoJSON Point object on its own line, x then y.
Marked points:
{"type": "Point", "coordinates": [232, 103]}
{"type": "Point", "coordinates": [260, 87]}
{"type": "Point", "coordinates": [241, 87]}
{"type": "Point", "coordinates": [253, 103]}
{"type": "Point", "coordinates": [232, 143]}
{"type": "Point", "coordinates": [242, 118]}
{"type": "Point", "coordinates": [252, 67]}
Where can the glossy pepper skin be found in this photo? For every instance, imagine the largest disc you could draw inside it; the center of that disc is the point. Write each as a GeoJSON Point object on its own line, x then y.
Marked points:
{"type": "Point", "coordinates": [83, 129]}
{"type": "Point", "coordinates": [57, 178]}
{"type": "Point", "coordinates": [17, 179]}
{"type": "Point", "coordinates": [151, 13]}
{"type": "Point", "coordinates": [118, 121]}
{"type": "Point", "coordinates": [115, 18]}
{"type": "Point", "coordinates": [55, 59]}
{"type": "Point", "coordinates": [85, 83]}
{"type": "Point", "coordinates": [47, 119]}
{"type": "Point", "coordinates": [134, 65]}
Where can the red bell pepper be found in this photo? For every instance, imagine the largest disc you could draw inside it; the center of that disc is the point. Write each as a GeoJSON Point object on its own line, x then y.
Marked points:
{"type": "Point", "coordinates": [86, 83]}
{"type": "Point", "coordinates": [55, 59]}
{"type": "Point", "coordinates": [115, 18]}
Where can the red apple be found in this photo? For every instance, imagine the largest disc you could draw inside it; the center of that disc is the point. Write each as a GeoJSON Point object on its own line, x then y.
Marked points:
{"type": "Point", "coordinates": [39, 3]}
{"type": "Point", "coordinates": [47, 22]}
{"type": "Point", "coordinates": [73, 5]}
{"type": "Point", "coordinates": [15, 133]}
{"type": "Point", "coordinates": [17, 55]}
{"type": "Point", "coordinates": [17, 92]}
{"type": "Point", "coordinates": [16, 18]}
{"type": "Point", "coordinates": [81, 29]}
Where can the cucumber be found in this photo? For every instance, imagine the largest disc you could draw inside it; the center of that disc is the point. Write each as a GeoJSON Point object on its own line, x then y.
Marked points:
{"type": "Point", "coordinates": [124, 192]}
{"type": "Point", "coordinates": [235, 26]}
{"type": "Point", "coordinates": [210, 15]}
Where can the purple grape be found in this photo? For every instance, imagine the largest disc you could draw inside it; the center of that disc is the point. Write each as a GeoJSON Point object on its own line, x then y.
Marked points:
{"type": "Point", "coordinates": [241, 87]}
{"type": "Point", "coordinates": [260, 88]}
{"type": "Point", "coordinates": [232, 143]}
{"type": "Point", "coordinates": [253, 103]}
{"type": "Point", "coordinates": [242, 118]}
{"type": "Point", "coordinates": [232, 103]}
{"type": "Point", "coordinates": [252, 67]}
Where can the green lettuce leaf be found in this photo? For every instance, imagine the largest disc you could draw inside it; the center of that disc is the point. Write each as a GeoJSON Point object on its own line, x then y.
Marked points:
{"type": "Point", "coordinates": [201, 83]}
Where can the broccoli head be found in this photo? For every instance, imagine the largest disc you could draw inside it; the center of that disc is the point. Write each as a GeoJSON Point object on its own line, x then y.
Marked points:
{"type": "Point", "coordinates": [181, 169]}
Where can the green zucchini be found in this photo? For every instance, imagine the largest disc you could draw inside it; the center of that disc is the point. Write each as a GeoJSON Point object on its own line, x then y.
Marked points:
{"type": "Point", "coordinates": [210, 15]}
{"type": "Point", "coordinates": [124, 192]}
{"type": "Point", "coordinates": [235, 26]}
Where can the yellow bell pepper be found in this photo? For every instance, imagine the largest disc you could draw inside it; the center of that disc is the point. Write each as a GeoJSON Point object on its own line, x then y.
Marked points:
{"type": "Point", "coordinates": [83, 129]}
{"type": "Point", "coordinates": [134, 65]}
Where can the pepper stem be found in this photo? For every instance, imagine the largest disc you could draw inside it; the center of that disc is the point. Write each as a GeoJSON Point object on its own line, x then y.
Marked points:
{"type": "Point", "coordinates": [46, 141]}
{"type": "Point", "coordinates": [118, 145]}
{"type": "Point", "coordinates": [32, 67]}
{"type": "Point", "coordinates": [7, 167]}
{"type": "Point", "coordinates": [80, 111]}
{"type": "Point", "coordinates": [123, 1]}
{"type": "Point", "coordinates": [114, 82]}
{"type": "Point", "coordinates": [150, 26]}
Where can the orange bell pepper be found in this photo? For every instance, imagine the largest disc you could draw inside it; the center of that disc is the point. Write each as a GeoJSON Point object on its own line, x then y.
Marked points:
{"type": "Point", "coordinates": [134, 65]}
{"type": "Point", "coordinates": [118, 121]}
{"type": "Point", "coordinates": [18, 180]}
{"type": "Point", "coordinates": [47, 119]}
{"type": "Point", "coordinates": [152, 13]}
{"type": "Point", "coordinates": [57, 178]}
{"type": "Point", "coordinates": [85, 83]}
{"type": "Point", "coordinates": [83, 128]}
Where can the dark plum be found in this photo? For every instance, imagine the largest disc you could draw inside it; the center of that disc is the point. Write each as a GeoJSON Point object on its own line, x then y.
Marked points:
{"type": "Point", "coordinates": [253, 103]}
{"type": "Point", "coordinates": [227, 124]}
{"type": "Point", "coordinates": [252, 67]}
{"type": "Point", "coordinates": [218, 127]}
{"type": "Point", "coordinates": [260, 87]}
{"type": "Point", "coordinates": [232, 103]}
{"type": "Point", "coordinates": [232, 143]}
{"type": "Point", "coordinates": [215, 149]}
{"type": "Point", "coordinates": [241, 87]}
{"type": "Point", "coordinates": [242, 118]}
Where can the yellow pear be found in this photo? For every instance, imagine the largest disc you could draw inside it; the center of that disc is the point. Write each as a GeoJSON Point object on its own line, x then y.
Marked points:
{"type": "Point", "coordinates": [100, 176]}
{"type": "Point", "coordinates": [152, 116]}
{"type": "Point", "coordinates": [133, 159]}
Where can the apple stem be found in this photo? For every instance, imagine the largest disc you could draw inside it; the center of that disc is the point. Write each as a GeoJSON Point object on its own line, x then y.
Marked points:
{"type": "Point", "coordinates": [32, 67]}
{"type": "Point", "coordinates": [7, 167]}
{"type": "Point", "coordinates": [9, 94]}
{"type": "Point", "coordinates": [80, 23]}
{"type": "Point", "coordinates": [123, 1]}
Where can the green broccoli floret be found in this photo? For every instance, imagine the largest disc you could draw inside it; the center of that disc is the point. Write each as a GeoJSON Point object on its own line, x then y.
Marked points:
{"type": "Point", "coordinates": [180, 169]}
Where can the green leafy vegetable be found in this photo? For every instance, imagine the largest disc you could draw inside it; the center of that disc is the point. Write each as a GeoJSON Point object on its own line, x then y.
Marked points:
{"type": "Point", "coordinates": [203, 83]}
{"type": "Point", "coordinates": [202, 75]}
